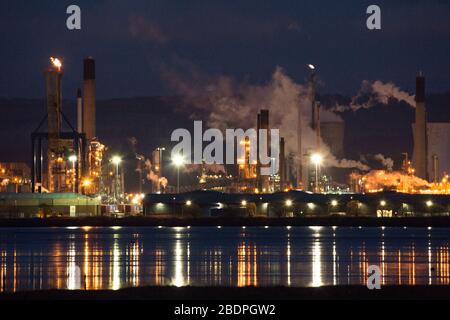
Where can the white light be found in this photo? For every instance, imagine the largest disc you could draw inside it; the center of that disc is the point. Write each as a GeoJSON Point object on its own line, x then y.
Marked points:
{"type": "Point", "coordinates": [429, 203]}
{"type": "Point", "coordinates": [334, 203]}
{"type": "Point", "coordinates": [382, 203]}
{"type": "Point", "coordinates": [116, 160]}
{"type": "Point", "coordinates": [178, 160]}
{"type": "Point", "coordinates": [73, 158]}
{"type": "Point", "coordinates": [188, 203]}
{"type": "Point", "coordinates": [311, 66]}
{"type": "Point", "coordinates": [243, 202]}
{"type": "Point", "coordinates": [288, 227]}
{"type": "Point", "coordinates": [316, 159]}
{"type": "Point", "coordinates": [288, 203]}
{"type": "Point", "coordinates": [311, 205]}
{"type": "Point", "coordinates": [219, 227]}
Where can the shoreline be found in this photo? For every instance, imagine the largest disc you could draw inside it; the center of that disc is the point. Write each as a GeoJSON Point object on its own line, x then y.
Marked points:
{"type": "Point", "coordinates": [443, 222]}
{"type": "Point", "coordinates": [353, 292]}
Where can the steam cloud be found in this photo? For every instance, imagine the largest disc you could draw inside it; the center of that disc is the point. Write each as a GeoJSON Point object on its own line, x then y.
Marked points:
{"type": "Point", "coordinates": [150, 175]}
{"type": "Point", "coordinates": [374, 93]}
{"type": "Point", "coordinates": [387, 162]}
{"type": "Point", "coordinates": [231, 105]}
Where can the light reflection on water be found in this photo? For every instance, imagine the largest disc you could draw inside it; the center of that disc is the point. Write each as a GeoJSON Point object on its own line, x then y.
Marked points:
{"type": "Point", "coordinates": [113, 258]}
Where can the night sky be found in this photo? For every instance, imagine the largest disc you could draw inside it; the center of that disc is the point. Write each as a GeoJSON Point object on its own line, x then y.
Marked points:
{"type": "Point", "coordinates": [135, 41]}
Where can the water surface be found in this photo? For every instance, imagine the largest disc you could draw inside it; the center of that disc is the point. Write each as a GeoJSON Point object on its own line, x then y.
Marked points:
{"type": "Point", "coordinates": [115, 257]}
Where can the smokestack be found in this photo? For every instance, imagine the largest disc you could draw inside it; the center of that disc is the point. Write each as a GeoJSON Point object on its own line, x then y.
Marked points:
{"type": "Point", "coordinates": [263, 123]}
{"type": "Point", "coordinates": [312, 84]}
{"type": "Point", "coordinates": [79, 111]}
{"type": "Point", "coordinates": [282, 165]}
{"type": "Point", "coordinates": [420, 130]}
{"type": "Point", "coordinates": [53, 76]}
{"type": "Point", "coordinates": [299, 148]}
{"type": "Point", "coordinates": [89, 98]}
{"type": "Point", "coordinates": [317, 125]}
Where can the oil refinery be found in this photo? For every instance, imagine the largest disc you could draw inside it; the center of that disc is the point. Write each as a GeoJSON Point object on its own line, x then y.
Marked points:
{"type": "Point", "coordinates": [70, 161]}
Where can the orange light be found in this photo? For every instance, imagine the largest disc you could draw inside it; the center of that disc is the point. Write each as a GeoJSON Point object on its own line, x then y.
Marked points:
{"type": "Point", "coordinates": [56, 63]}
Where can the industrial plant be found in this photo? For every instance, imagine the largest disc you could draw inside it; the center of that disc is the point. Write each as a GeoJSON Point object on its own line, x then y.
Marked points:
{"type": "Point", "coordinates": [73, 173]}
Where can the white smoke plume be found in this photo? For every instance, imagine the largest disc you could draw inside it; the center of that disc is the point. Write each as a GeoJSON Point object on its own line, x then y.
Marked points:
{"type": "Point", "coordinates": [152, 176]}
{"type": "Point", "coordinates": [375, 93]}
{"type": "Point", "coordinates": [231, 105]}
{"type": "Point", "coordinates": [388, 163]}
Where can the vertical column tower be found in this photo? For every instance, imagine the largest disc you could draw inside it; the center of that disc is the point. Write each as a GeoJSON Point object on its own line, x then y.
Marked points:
{"type": "Point", "coordinates": [420, 130]}
{"type": "Point", "coordinates": [89, 99]}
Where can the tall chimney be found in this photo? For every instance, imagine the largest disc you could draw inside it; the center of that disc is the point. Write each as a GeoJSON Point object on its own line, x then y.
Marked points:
{"type": "Point", "coordinates": [420, 130]}
{"type": "Point", "coordinates": [263, 123]}
{"type": "Point", "coordinates": [312, 84]}
{"type": "Point", "coordinates": [79, 111]}
{"type": "Point", "coordinates": [299, 148]}
{"type": "Point", "coordinates": [89, 98]}
{"type": "Point", "coordinates": [282, 165]}
{"type": "Point", "coordinates": [53, 76]}
{"type": "Point", "coordinates": [317, 124]}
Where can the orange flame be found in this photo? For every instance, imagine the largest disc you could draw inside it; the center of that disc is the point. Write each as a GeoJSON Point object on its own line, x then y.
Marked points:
{"type": "Point", "coordinates": [56, 63]}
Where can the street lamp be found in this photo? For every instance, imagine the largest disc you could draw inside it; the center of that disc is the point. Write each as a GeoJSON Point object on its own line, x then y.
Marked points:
{"type": "Point", "coordinates": [116, 160]}
{"type": "Point", "coordinates": [317, 159]}
{"type": "Point", "coordinates": [73, 159]}
{"type": "Point", "coordinates": [178, 161]}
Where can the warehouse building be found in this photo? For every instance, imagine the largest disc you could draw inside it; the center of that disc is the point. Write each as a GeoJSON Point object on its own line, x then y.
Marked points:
{"type": "Point", "coordinates": [295, 204]}
{"type": "Point", "coordinates": [44, 205]}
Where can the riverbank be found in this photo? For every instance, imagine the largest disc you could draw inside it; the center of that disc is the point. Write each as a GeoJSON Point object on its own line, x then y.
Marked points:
{"type": "Point", "coordinates": [139, 221]}
{"type": "Point", "coordinates": [244, 293]}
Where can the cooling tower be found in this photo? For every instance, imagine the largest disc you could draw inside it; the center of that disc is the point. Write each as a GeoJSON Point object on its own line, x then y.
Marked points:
{"type": "Point", "coordinates": [439, 146]}
{"type": "Point", "coordinates": [420, 131]}
{"type": "Point", "coordinates": [89, 98]}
